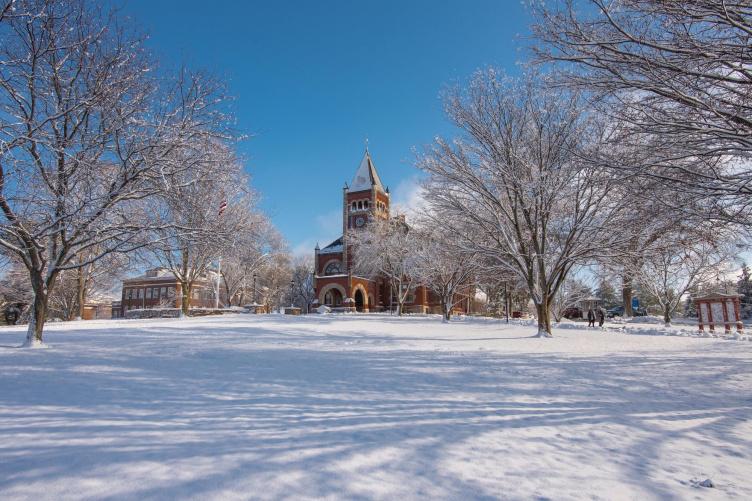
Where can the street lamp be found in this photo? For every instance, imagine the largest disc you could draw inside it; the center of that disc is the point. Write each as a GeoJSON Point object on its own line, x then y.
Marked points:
{"type": "Point", "coordinates": [255, 296]}
{"type": "Point", "coordinates": [506, 301]}
{"type": "Point", "coordinates": [292, 284]}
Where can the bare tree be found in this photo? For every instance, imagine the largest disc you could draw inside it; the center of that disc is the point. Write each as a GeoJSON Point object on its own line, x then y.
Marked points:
{"type": "Point", "coordinates": [655, 211]}
{"type": "Point", "coordinates": [200, 211]}
{"type": "Point", "coordinates": [571, 293]}
{"type": "Point", "coordinates": [84, 129]}
{"type": "Point", "coordinates": [680, 262]}
{"type": "Point", "coordinates": [250, 248]}
{"type": "Point", "coordinates": [517, 187]}
{"type": "Point", "coordinates": [386, 247]}
{"type": "Point", "coordinates": [275, 279]}
{"type": "Point", "coordinates": [677, 76]}
{"type": "Point", "coordinates": [443, 265]}
{"type": "Point", "coordinates": [303, 292]}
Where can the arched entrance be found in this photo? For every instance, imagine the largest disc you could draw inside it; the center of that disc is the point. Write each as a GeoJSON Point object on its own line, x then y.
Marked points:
{"type": "Point", "coordinates": [332, 295]}
{"type": "Point", "coordinates": [333, 298]}
{"type": "Point", "coordinates": [359, 300]}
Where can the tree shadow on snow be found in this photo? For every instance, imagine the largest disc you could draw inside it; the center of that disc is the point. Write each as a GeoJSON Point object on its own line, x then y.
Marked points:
{"type": "Point", "coordinates": [165, 411]}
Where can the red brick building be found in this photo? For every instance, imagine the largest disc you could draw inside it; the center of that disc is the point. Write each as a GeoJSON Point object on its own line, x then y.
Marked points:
{"type": "Point", "coordinates": [334, 282]}
{"type": "Point", "coordinates": [158, 288]}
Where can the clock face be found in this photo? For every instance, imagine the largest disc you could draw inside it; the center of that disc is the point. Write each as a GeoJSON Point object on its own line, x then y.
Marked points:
{"type": "Point", "coordinates": [359, 221]}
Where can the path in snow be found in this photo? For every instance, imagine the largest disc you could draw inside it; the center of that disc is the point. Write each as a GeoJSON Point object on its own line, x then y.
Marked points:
{"type": "Point", "coordinates": [271, 407]}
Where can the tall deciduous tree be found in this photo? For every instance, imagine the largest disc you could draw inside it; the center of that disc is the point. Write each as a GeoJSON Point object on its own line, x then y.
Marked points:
{"type": "Point", "coordinates": [386, 247]}
{"type": "Point", "coordinates": [517, 186]}
{"type": "Point", "coordinates": [200, 212]}
{"type": "Point", "coordinates": [443, 266]}
{"type": "Point", "coordinates": [251, 247]}
{"type": "Point", "coordinates": [84, 128]}
{"type": "Point", "coordinates": [677, 75]}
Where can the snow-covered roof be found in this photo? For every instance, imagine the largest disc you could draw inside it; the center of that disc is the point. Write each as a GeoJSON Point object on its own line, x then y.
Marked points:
{"type": "Point", "coordinates": [716, 295]}
{"type": "Point", "coordinates": [153, 274]}
{"type": "Point", "coordinates": [333, 247]}
{"type": "Point", "coordinates": [366, 175]}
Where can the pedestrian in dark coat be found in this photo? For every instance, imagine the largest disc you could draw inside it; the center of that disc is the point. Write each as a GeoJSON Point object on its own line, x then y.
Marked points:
{"type": "Point", "coordinates": [590, 318]}
{"type": "Point", "coordinates": [601, 317]}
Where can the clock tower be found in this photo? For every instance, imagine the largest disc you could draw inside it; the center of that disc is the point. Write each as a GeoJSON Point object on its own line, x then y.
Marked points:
{"type": "Point", "coordinates": [336, 285]}
{"type": "Point", "coordinates": [363, 199]}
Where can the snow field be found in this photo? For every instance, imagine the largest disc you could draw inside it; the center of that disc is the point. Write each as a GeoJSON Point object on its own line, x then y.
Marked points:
{"type": "Point", "coordinates": [370, 407]}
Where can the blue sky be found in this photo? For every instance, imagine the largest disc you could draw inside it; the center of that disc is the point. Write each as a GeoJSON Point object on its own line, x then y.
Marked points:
{"type": "Point", "coordinates": [312, 80]}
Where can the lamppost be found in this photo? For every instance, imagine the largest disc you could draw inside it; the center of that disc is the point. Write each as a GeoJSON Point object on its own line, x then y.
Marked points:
{"type": "Point", "coordinates": [292, 284]}
{"type": "Point", "coordinates": [506, 301]}
{"type": "Point", "coordinates": [255, 296]}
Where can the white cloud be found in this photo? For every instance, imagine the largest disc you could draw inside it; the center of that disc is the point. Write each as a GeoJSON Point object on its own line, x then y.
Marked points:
{"type": "Point", "coordinates": [328, 227]}
{"type": "Point", "coordinates": [409, 196]}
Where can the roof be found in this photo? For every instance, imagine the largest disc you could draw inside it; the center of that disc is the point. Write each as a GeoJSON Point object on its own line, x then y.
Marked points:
{"type": "Point", "coordinates": [333, 247]}
{"type": "Point", "coordinates": [366, 176]}
{"type": "Point", "coordinates": [716, 295]}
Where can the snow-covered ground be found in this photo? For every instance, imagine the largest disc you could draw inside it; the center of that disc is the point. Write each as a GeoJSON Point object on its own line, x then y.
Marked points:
{"type": "Point", "coordinates": [273, 407]}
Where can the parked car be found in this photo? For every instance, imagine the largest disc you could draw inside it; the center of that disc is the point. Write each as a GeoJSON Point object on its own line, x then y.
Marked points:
{"type": "Point", "coordinates": [618, 311]}
{"type": "Point", "coordinates": [573, 312]}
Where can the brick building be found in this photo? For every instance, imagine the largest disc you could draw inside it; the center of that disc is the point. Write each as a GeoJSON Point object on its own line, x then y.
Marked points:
{"type": "Point", "coordinates": [158, 288]}
{"type": "Point", "coordinates": [334, 282]}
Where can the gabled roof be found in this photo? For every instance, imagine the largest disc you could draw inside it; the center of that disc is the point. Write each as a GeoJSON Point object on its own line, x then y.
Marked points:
{"type": "Point", "coordinates": [366, 175]}
{"type": "Point", "coordinates": [333, 247]}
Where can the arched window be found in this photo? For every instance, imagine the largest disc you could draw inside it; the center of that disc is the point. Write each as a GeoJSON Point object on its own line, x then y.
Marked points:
{"type": "Point", "coordinates": [360, 205]}
{"type": "Point", "coordinates": [365, 204]}
{"type": "Point", "coordinates": [333, 268]}
{"type": "Point", "coordinates": [354, 206]}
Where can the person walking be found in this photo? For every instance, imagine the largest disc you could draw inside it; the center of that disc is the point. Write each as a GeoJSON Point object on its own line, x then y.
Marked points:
{"type": "Point", "coordinates": [590, 318]}
{"type": "Point", "coordinates": [601, 316]}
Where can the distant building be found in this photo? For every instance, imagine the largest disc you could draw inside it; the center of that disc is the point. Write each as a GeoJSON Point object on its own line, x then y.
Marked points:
{"type": "Point", "coordinates": [116, 309]}
{"type": "Point", "coordinates": [334, 282]}
{"type": "Point", "coordinates": [158, 288]}
{"type": "Point", "coordinates": [97, 311]}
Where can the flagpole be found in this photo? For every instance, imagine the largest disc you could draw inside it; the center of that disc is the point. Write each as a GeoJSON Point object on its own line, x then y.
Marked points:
{"type": "Point", "coordinates": [222, 207]}
{"type": "Point", "coordinates": [219, 278]}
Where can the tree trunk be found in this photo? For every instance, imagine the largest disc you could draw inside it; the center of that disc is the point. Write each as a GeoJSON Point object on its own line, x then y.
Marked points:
{"type": "Point", "coordinates": [626, 294]}
{"type": "Point", "coordinates": [38, 313]}
{"type": "Point", "coordinates": [185, 303]}
{"type": "Point", "coordinates": [81, 290]}
{"type": "Point", "coordinates": [667, 315]}
{"type": "Point", "coordinates": [446, 310]}
{"type": "Point", "coordinates": [544, 319]}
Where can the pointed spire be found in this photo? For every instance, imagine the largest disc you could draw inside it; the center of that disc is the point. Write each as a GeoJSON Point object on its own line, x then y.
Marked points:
{"type": "Point", "coordinates": [366, 176]}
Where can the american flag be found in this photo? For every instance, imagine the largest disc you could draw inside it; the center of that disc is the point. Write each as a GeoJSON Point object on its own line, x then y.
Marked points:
{"type": "Point", "coordinates": [222, 207]}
